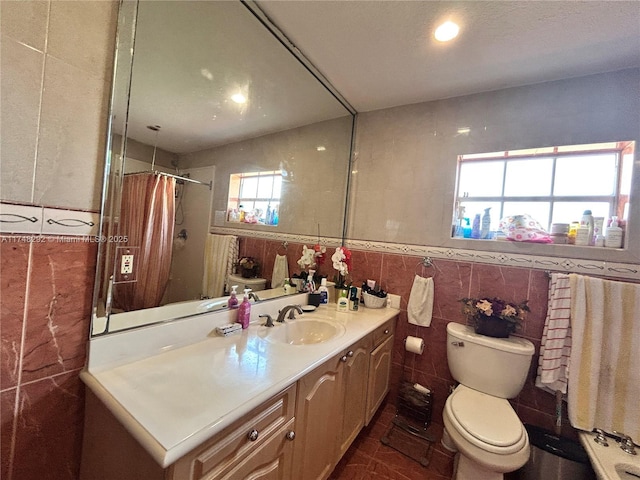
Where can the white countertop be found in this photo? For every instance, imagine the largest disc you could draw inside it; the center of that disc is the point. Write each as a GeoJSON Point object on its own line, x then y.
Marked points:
{"type": "Point", "coordinates": [174, 400]}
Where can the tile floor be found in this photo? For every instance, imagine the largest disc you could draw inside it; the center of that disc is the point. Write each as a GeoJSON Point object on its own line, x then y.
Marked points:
{"type": "Point", "coordinates": [369, 459]}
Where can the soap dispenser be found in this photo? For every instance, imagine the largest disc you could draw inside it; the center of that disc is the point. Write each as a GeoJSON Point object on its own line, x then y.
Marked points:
{"type": "Point", "coordinates": [233, 299]}
{"type": "Point", "coordinates": [613, 234]}
{"type": "Point", "coordinates": [244, 310]}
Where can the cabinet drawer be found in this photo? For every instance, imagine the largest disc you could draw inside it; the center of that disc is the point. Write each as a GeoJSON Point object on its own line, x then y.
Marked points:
{"type": "Point", "coordinates": [217, 456]}
{"type": "Point", "coordinates": [383, 332]}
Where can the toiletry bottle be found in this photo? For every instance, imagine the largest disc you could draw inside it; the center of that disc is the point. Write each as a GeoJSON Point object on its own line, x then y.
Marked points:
{"type": "Point", "coordinates": [309, 285]}
{"type": "Point", "coordinates": [233, 299]}
{"type": "Point", "coordinates": [486, 224]}
{"type": "Point", "coordinates": [288, 288]}
{"type": "Point", "coordinates": [343, 303]}
{"type": "Point", "coordinates": [354, 299]}
{"type": "Point", "coordinates": [475, 230]}
{"type": "Point", "coordinates": [587, 221]}
{"type": "Point", "coordinates": [613, 234]}
{"type": "Point", "coordinates": [244, 310]}
{"type": "Point", "coordinates": [324, 292]}
{"type": "Point", "coordinates": [466, 230]}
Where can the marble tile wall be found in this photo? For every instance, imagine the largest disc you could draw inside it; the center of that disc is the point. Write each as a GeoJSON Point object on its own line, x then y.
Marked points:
{"type": "Point", "coordinates": [56, 64]}
{"type": "Point", "coordinates": [453, 279]}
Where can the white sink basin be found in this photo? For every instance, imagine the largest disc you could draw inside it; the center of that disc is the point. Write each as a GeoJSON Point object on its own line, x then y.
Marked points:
{"type": "Point", "coordinates": [610, 463]}
{"type": "Point", "coordinates": [302, 332]}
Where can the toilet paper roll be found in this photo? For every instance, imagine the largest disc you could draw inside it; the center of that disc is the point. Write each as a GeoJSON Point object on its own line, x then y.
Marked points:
{"type": "Point", "coordinates": [414, 345]}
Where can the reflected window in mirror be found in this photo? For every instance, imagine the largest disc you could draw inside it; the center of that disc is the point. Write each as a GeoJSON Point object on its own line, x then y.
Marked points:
{"type": "Point", "coordinates": [254, 197]}
{"type": "Point", "coordinates": [550, 184]}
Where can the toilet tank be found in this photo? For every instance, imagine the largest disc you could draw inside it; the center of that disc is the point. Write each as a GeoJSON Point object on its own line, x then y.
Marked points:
{"type": "Point", "coordinates": [496, 366]}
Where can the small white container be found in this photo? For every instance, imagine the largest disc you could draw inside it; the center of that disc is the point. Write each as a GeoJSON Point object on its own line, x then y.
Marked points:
{"type": "Point", "coordinates": [613, 235]}
{"type": "Point", "coordinates": [583, 235]}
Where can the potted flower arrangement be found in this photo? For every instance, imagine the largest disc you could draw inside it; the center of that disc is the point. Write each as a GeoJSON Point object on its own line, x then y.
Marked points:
{"type": "Point", "coordinates": [248, 267]}
{"type": "Point", "coordinates": [342, 263]}
{"type": "Point", "coordinates": [494, 317]}
{"type": "Point", "coordinates": [310, 259]}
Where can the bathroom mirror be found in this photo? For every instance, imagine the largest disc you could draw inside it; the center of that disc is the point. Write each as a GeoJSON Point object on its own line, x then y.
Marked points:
{"type": "Point", "coordinates": [203, 90]}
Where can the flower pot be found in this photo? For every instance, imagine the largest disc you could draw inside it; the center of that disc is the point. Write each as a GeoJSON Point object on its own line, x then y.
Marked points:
{"type": "Point", "coordinates": [492, 327]}
{"type": "Point", "coordinates": [248, 272]}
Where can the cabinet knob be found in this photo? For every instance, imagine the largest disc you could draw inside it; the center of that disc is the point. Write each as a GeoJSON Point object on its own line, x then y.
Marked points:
{"type": "Point", "coordinates": [386, 332]}
{"type": "Point", "coordinates": [290, 435]}
{"type": "Point", "coordinates": [350, 353]}
{"type": "Point", "coordinates": [343, 358]}
{"type": "Point", "coordinates": [253, 435]}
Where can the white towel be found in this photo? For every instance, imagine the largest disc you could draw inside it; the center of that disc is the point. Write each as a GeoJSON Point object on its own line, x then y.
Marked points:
{"type": "Point", "coordinates": [604, 376]}
{"type": "Point", "coordinates": [220, 253]}
{"type": "Point", "coordinates": [280, 271]}
{"type": "Point", "coordinates": [555, 347]}
{"type": "Point", "coordinates": [420, 307]}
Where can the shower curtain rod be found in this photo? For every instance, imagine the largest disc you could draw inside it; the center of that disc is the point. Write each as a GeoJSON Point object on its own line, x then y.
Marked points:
{"type": "Point", "coordinates": [186, 179]}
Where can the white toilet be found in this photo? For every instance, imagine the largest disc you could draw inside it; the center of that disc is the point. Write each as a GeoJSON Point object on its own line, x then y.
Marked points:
{"type": "Point", "coordinates": [479, 422]}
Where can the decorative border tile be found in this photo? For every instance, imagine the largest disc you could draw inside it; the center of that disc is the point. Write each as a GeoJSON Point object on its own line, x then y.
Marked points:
{"type": "Point", "coordinates": [556, 264]}
{"type": "Point", "coordinates": [278, 237]}
{"type": "Point", "coordinates": [20, 219]}
{"type": "Point", "coordinates": [68, 222]}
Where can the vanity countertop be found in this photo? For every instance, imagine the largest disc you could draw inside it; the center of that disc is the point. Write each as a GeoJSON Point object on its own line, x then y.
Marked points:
{"type": "Point", "coordinates": [174, 400]}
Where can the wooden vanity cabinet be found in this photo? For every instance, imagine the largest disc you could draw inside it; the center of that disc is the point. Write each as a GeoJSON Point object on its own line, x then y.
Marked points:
{"type": "Point", "coordinates": [379, 367]}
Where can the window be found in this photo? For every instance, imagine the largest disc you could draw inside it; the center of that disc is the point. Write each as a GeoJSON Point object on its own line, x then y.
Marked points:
{"type": "Point", "coordinates": [551, 184]}
{"type": "Point", "coordinates": [254, 197]}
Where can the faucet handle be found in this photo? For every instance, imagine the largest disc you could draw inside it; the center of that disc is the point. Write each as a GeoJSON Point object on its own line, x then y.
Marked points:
{"type": "Point", "coordinates": [600, 437]}
{"type": "Point", "coordinates": [626, 443]}
{"type": "Point", "coordinates": [269, 322]}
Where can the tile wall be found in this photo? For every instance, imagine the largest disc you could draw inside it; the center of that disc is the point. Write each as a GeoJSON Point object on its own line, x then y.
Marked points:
{"type": "Point", "coordinates": [56, 62]}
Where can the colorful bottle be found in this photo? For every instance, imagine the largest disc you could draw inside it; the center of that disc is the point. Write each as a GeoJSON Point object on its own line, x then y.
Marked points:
{"type": "Point", "coordinates": [309, 284]}
{"type": "Point", "coordinates": [475, 230]}
{"type": "Point", "coordinates": [324, 292]}
{"type": "Point", "coordinates": [233, 299]}
{"type": "Point", "coordinates": [486, 224]}
{"type": "Point", "coordinates": [244, 310]}
{"type": "Point", "coordinates": [343, 303]}
{"type": "Point", "coordinates": [613, 234]}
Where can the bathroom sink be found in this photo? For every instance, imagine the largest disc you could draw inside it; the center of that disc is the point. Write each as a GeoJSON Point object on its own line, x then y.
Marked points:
{"type": "Point", "coordinates": [626, 471]}
{"type": "Point", "coordinates": [302, 332]}
{"type": "Point", "coordinates": [610, 463]}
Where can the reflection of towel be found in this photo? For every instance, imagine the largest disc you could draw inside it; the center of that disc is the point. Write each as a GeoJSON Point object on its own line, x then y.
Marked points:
{"type": "Point", "coordinates": [604, 375]}
{"type": "Point", "coordinates": [220, 253]}
{"type": "Point", "coordinates": [555, 347]}
{"type": "Point", "coordinates": [420, 307]}
{"type": "Point", "coordinates": [280, 271]}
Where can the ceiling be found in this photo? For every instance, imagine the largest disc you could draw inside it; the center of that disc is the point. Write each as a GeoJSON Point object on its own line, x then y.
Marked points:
{"type": "Point", "coordinates": [380, 54]}
{"type": "Point", "coordinates": [377, 54]}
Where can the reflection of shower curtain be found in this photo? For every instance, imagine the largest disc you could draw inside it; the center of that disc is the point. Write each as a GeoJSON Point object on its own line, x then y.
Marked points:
{"type": "Point", "coordinates": [147, 219]}
{"type": "Point", "coordinates": [220, 253]}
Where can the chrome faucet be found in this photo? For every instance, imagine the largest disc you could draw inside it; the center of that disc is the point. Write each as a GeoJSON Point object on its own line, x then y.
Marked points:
{"type": "Point", "coordinates": [626, 444]}
{"type": "Point", "coordinates": [291, 309]}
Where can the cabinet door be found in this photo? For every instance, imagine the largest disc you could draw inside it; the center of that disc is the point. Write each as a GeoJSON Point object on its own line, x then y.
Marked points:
{"type": "Point", "coordinates": [356, 371]}
{"type": "Point", "coordinates": [379, 373]}
{"type": "Point", "coordinates": [318, 420]}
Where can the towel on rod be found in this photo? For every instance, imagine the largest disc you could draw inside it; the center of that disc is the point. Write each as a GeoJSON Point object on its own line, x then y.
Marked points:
{"type": "Point", "coordinates": [604, 376]}
{"type": "Point", "coordinates": [420, 306]}
{"type": "Point", "coordinates": [220, 254]}
{"type": "Point", "coordinates": [555, 347]}
{"type": "Point", "coordinates": [280, 271]}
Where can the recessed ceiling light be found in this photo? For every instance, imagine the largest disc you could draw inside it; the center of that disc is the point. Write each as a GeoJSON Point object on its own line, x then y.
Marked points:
{"type": "Point", "coordinates": [447, 31]}
{"type": "Point", "coordinates": [321, 148]}
{"type": "Point", "coordinates": [238, 98]}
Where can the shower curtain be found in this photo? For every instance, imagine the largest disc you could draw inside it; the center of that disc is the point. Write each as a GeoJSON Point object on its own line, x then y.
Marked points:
{"type": "Point", "coordinates": [147, 219]}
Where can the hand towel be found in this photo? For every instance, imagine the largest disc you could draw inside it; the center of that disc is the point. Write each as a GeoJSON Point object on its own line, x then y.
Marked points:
{"type": "Point", "coordinates": [555, 347]}
{"type": "Point", "coordinates": [604, 374]}
{"type": "Point", "coordinates": [420, 307]}
{"type": "Point", "coordinates": [280, 271]}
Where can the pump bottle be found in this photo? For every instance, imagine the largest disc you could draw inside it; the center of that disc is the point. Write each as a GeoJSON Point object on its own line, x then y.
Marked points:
{"type": "Point", "coordinates": [233, 299]}
{"type": "Point", "coordinates": [244, 310]}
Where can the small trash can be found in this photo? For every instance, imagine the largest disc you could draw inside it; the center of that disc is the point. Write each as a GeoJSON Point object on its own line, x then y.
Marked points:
{"type": "Point", "coordinates": [555, 458]}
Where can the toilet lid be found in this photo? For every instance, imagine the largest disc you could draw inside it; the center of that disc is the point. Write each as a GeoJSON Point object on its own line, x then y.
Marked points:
{"type": "Point", "coordinates": [486, 418]}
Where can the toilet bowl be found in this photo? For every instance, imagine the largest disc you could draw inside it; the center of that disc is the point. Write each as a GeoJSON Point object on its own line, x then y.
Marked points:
{"type": "Point", "coordinates": [478, 419]}
{"type": "Point", "coordinates": [255, 284]}
{"type": "Point", "coordinates": [487, 432]}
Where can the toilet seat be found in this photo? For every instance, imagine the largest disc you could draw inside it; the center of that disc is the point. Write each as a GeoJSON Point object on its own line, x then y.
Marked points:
{"type": "Point", "coordinates": [485, 421]}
